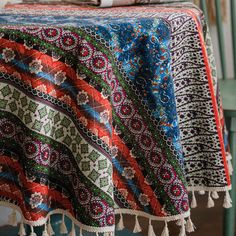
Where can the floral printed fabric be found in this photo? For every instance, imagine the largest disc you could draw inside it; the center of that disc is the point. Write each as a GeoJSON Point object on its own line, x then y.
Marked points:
{"type": "Point", "coordinates": [84, 142]}
{"type": "Point", "coordinates": [90, 105]}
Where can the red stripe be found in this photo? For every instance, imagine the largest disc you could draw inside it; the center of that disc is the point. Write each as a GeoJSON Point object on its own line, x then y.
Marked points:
{"type": "Point", "coordinates": [55, 66]}
{"type": "Point", "coordinates": [120, 185]}
{"type": "Point", "coordinates": [145, 188]}
{"type": "Point", "coordinates": [60, 93]}
{"type": "Point", "coordinates": [92, 123]}
{"type": "Point", "coordinates": [32, 187]}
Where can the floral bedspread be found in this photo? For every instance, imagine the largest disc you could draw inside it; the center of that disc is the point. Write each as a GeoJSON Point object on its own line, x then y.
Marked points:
{"type": "Point", "coordinates": [105, 112]}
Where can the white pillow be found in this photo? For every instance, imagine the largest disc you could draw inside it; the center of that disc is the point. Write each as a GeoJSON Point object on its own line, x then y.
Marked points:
{"type": "Point", "coordinates": [4, 2]}
{"type": "Point", "coordinates": [110, 3]}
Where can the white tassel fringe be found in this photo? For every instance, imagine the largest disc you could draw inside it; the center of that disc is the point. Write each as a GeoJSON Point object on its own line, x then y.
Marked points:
{"type": "Point", "coordinates": [201, 192]}
{"type": "Point", "coordinates": [120, 226]}
{"type": "Point", "coordinates": [32, 231]}
{"type": "Point", "coordinates": [72, 233]}
{"type": "Point", "coordinates": [194, 201]}
{"type": "Point", "coordinates": [137, 227]}
{"type": "Point", "coordinates": [63, 229]}
{"type": "Point", "coordinates": [215, 195]}
{"type": "Point", "coordinates": [189, 226]}
{"type": "Point", "coordinates": [109, 234]}
{"type": "Point", "coordinates": [45, 232]}
{"type": "Point", "coordinates": [81, 232]}
{"type": "Point", "coordinates": [179, 222]}
{"type": "Point", "coordinates": [22, 229]}
{"type": "Point", "coordinates": [227, 200]}
{"type": "Point", "coordinates": [165, 231]}
{"type": "Point", "coordinates": [150, 229]}
{"type": "Point", "coordinates": [182, 230]}
{"type": "Point", "coordinates": [210, 202]}
{"type": "Point", "coordinates": [230, 167]}
{"type": "Point", "coordinates": [49, 228]}
{"type": "Point", "coordinates": [12, 219]}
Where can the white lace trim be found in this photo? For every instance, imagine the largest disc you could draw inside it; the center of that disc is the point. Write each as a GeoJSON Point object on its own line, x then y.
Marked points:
{"type": "Point", "coordinates": [111, 229]}
{"type": "Point", "coordinates": [43, 221]}
{"type": "Point", "coordinates": [211, 189]}
{"type": "Point", "coordinates": [152, 217]}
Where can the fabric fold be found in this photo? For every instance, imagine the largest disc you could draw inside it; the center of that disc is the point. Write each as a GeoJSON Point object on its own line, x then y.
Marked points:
{"type": "Point", "coordinates": [106, 112]}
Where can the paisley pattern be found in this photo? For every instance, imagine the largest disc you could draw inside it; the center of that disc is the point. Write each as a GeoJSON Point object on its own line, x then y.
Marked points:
{"type": "Point", "coordinates": [96, 113]}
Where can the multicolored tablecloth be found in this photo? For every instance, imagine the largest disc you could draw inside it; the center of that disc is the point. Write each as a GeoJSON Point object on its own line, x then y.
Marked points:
{"type": "Point", "coordinates": [106, 112]}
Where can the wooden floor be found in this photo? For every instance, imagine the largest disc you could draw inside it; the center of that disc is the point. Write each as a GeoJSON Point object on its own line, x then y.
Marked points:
{"type": "Point", "coordinates": [209, 222]}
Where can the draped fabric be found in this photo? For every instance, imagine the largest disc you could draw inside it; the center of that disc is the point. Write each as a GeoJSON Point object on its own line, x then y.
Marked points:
{"type": "Point", "coordinates": [107, 111]}
{"type": "Point", "coordinates": [110, 3]}
{"type": "Point", "coordinates": [103, 3]}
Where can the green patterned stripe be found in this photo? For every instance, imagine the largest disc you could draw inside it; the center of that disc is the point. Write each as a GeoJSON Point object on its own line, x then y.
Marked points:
{"type": "Point", "coordinates": [12, 146]}
{"type": "Point", "coordinates": [53, 178]}
{"type": "Point", "coordinates": [152, 128]}
{"type": "Point", "coordinates": [94, 42]}
{"type": "Point", "coordinates": [136, 101]}
{"type": "Point", "coordinates": [144, 163]}
{"type": "Point", "coordinates": [57, 146]}
{"type": "Point", "coordinates": [37, 117]}
{"type": "Point", "coordinates": [54, 48]}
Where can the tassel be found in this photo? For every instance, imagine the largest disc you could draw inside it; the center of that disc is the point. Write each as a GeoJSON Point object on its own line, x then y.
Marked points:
{"type": "Point", "coordinates": [120, 225]}
{"type": "Point", "coordinates": [72, 233]}
{"type": "Point", "coordinates": [80, 232]}
{"type": "Point", "coordinates": [63, 229]}
{"type": "Point", "coordinates": [97, 234]}
{"type": "Point", "coordinates": [137, 227]}
{"type": "Point", "coordinates": [32, 231]}
{"type": "Point", "coordinates": [22, 229]}
{"type": "Point", "coordinates": [194, 202]}
{"type": "Point", "coordinates": [45, 232]}
{"type": "Point", "coordinates": [189, 226]}
{"type": "Point", "coordinates": [230, 167]}
{"type": "Point", "coordinates": [49, 228]}
{"type": "Point", "coordinates": [201, 192]}
{"type": "Point", "coordinates": [150, 229]}
{"type": "Point", "coordinates": [182, 230]}
{"type": "Point", "coordinates": [227, 200]}
{"type": "Point", "coordinates": [165, 231]}
{"type": "Point", "coordinates": [228, 156]}
{"type": "Point", "coordinates": [109, 234]}
{"type": "Point", "coordinates": [210, 202]}
{"type": "Point", "coordinates": [12, 220]}
{"type": "Point", "coordinates": [179, 222]}
{"type": "Point", "coordinates": [215, 195]}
